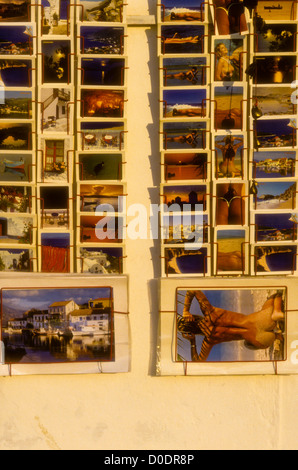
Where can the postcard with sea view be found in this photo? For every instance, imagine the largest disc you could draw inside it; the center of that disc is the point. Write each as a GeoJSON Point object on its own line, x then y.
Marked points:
{"type": "Point", "coordinates": [59, 325]}
{"type": "Point", "coordinates": [181, 10]}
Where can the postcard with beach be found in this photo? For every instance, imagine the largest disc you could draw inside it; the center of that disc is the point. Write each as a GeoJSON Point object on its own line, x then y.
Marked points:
{"type": "Point", "coordinates": [102, 72]}
{"type": "Point", "coordinates": [231, 250]}
{"type": "Point", "coordinates": [16, 167]}
{"type": "Point", "coordinates": [16, 199]}
{"type": "Point", "coordinates": [98, 229]}
{"type": "Point", "coordinates": [101, 198]}
{"type": "Point", "coordinates": [186, 262]}
{"type": "Point", "coordinates": [181, 10]}
{"type": "Point", "coordinates": [274, 164]}
{"type": "Point", "coordinates": [61, 325]}
{"type": "Point", "coordinates": [228, 107]}
{"type": "Point", "coordinates": [278, 227]}
{"type": "Point", "coordinates": [184, 103]}
{"type": "Point", "coordinates": [16, 230]}
{"type": "Point", "coordinates": [109, 11]}
{"type": "Point", "coordinates": [15, 11]}
{"type": "Point", "coordinates": [56, 61]}
{"type": "Point", "coordinates": [15, 136]}
{"type": "Point", "coordinates": [275, 259]}
{"type": "Point", "coordinates": [274, 69]}
{"type": "Point", "coordinates": [275, 195]}
{"type": "Point", "coordinates": [101, 166]}
{"type": "Point", "coordinates": [101, 260]}
{"type": "Point", "coordinates": [277, 10]}
{"type": "Point", "coordinates": [275, 133]}
{"type": "Point", "coordinates": [184, 135]}
{"type": "Point", "coordinates": [16, 73]}
{"type": "Point", "coordinates": [229, 59]}
{"type": "Point", "coordinates": [184, 72]}
{"type": "Point", "coordinates": [185, 166]}
{"type": "Point", "coordinates": [262, 312]}
{"type": "Point", "coordinates": [102, 135]}
{"type": "Point", "coordinates": [187, 198]}
{"type": "Point", "coordinates": [54, 207]}
{"type": "Point", "coordinates": [230, 204]}
{"type": "Point", "coordinates": [102, 103]}
{"type": "Point", "coordinates": [16, 260]}
{"type": "Point", "coordinates": [16, 40]}
{"type": "Point", "coordinates": [55, 253]}
{"type": "Point", "coordinates": [273, 101]}
{"type": "Point", "coordinates": [182, 39]}
{"type": "Point", "coordinates": [102, 40]}
{"type": "Point", "coordinates": [55, 15]}
{"type": "Point", "coordinates": [229, 156]}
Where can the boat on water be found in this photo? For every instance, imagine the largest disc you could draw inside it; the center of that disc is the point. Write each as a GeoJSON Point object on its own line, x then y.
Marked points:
{"type": "Point", "coordinates": [88, 331]}
{"type": "Point", "coordinates": [7, 165]}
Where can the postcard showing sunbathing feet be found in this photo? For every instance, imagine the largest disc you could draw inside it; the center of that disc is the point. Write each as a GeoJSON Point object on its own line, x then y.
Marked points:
{"type": "Point", "coordinates": [79, 327]}
{"type": "Point", "coordinates": [236, 327]}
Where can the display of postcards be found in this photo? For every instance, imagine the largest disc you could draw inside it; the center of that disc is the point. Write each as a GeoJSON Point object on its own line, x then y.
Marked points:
{"type": "Point", "coordinates": [55, 163]}
{"type": "Point", "coordinates": [56, 61]}
{"type": "Point", "coordinates": [278, 227]}
{"type": "Point", "coordinates": [275, 259]}
{"type": "Point", "coordinates": [16, 230]}
{"type": "Point", "coordinates": [275, 164]}
{"type": "Point", "coordinates": [274, 101]}
{"type": "Point", "coordinates": [16, 199]}
{"type": "Point", "coordinates": [55, 253]}
{"type": "Point", "coordinates": [180, 71]}
{"type": "Point", "coordinates": [229, 18]}
{"type": "Point", "coordinates": [274, 133]}
{"type": "Point", "coordinates": [52, 324]}
{"type": "Point", "coordinates": [276, 38]}
{"type": "Point", "coordinates": [229, 56]}
{"type": "Point", "coordinates": [102, 40]}
{"type": "Point", "coordinates": [101, 260]}
{"type": "Point", "coordinates": [101, 198]}
{"type": "Point", "coordinates": [56, 114]}
{"type": "Point", "coordinates": [16, 40]}
{"type": "Point", "coordinates": [229, 162]}
{"type": "Point", "coordinates": [103, 10]}
{"type": "Point", "coordinates": [184, 135]}
{"type": "Point", "coordinates": [102, 103]}
{"type": "Point", "coordinates": [16, 73]}
{"type": "Point", "coordinates": [185, 198]}
{"type": "Point", "coordinates": [102, 135]}
{"type": "Point", "coordinates": [185, 166]}
{"type": "Point", "coordinates": [55, 17]}
{"type": "Point", "coordinates": [228, 107]}
{"type": "Point", "coordinates": [101, 166]}
{"type": "Point", "coordinates": [16, 167]}
{"type": "Point", "coordinates": [54, 207]}
{"type": "Point", "coordinates": [12, 260]}
{"type": "Point", "coordinates": [107, 229]}
{"type": "Point", "coordinates": [15, 11]}
{"type": "Point", "coordinates": [208, 319]}
{"type": "Point", "coordinates": [231, 251]}
{"type": "Point", "coordinates": [182, 39]}
{"type": "Point", "coordinates": [285, 10]}
{"type": "Point", "coordinates": [16, 105]}
{"type": "Point", "coordinates": [230, 204]}
{"type": "Point", "coordinates": [103, 72]}
{"type": "Point", "coordinates": [274, 69]}
{"type": "Point", "coordinates": [275, 195]}
{"type": "Point", "coordinates": [184, 103]}
{"type": "Point", "coordinates": [185, 229]}
{"type": "Point", "coordinates": [179, 10]}
{"type": "Point", "coordinates": [15, 136]}
{"type": "Point", "coordinates": [186, 262]}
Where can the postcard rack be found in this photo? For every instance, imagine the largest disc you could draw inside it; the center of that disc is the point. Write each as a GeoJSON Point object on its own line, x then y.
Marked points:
{"type": "Point", "coordinates": [228, 146]}
{"type": "Point", "coordinates": [62, 183]}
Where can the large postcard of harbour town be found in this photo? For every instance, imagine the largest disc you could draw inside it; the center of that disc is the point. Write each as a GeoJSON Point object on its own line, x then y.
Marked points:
{"type": "Point", "coordinates": [57, 325]}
